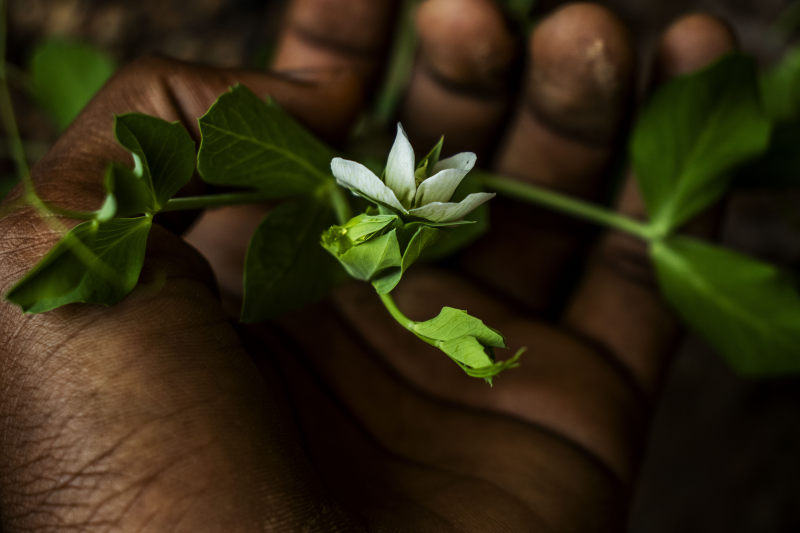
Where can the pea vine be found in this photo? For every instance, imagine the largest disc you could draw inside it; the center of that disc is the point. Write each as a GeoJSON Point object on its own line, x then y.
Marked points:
{"type": "Point", "coordinates": [337, 216]}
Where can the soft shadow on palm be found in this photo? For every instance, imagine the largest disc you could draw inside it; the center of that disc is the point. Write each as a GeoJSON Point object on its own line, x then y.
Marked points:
{"type": "Point", "coordinates": [405, 439]}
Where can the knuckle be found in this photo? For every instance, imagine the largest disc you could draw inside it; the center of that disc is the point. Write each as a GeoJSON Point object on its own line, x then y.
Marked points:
{"type": "Point", "coordinates": [149, 66]}
{"type": "Point", "coordinates": [627, 258]}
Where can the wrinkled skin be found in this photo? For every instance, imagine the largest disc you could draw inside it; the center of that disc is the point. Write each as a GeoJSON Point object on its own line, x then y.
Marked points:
{"type": "Point", "coordinates": [157, 414]}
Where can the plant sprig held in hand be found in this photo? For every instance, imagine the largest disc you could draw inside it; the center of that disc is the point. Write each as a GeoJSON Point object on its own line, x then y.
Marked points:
{"type": "Point", "coordinates": [685, 146]}
{"type": "Point", "coordinates": [411, 208]}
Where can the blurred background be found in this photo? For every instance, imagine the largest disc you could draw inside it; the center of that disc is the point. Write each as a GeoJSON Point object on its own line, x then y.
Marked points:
{"type": "Point", "coordinates": [724, 454]}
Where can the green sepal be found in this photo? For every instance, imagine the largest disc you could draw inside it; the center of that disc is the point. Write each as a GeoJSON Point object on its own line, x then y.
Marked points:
{"type": "Point", "coordinates": [422, 238]}
{"type": "Point", "coordinates": [378, 248]}
{"type": "Point", "coordinates": [339, 239]}
{"type": "Point", "coordinates": [96, 262]}
{"type": "Point", "coordinates": [370, 258]}
{"type": "Point", "coordinates": [427, 163]}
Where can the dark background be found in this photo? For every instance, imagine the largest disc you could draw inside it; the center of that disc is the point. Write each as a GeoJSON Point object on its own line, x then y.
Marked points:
{"type": "Point", "coordinates": [724, 455]}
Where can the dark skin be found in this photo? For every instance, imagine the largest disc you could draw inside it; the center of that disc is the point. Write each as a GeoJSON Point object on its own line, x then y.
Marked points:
{"type": "Point", "coordinates": [157, 414]}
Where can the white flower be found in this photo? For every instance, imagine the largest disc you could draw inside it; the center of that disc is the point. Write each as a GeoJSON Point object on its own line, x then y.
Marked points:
{"type": "Point", "coordinates": [429, 200]}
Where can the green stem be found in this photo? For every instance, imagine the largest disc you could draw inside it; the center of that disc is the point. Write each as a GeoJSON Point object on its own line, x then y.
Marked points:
{"type": "Point", "coordinates": [400, 318]}
{"type": "Point", "coordinates": [188, 203]}
{"type": "Point", "coordinates": [397, 314]}
{"type": "Point", "coordinates": [400, 65]}
{"type": "Point", "coordinates": [566, 204]}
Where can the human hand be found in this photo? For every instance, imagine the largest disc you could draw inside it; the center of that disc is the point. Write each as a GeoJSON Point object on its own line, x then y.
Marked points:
{"type": "Point", "coordinates": [151, 415]}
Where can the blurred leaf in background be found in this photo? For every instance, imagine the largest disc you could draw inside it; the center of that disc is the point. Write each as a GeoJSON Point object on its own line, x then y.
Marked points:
{"type": "Point", "coordinates": [65, 75]}
{"type": "Point", "coordinates": [693, 133]}
{"type": "Point", "coordinates": [780, 87]}
{"type": "Point", "coordinates": [780, 97]}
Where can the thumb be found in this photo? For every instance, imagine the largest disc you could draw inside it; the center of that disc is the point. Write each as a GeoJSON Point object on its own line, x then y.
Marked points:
{"type": "Point", "coordinates": [149, 414]}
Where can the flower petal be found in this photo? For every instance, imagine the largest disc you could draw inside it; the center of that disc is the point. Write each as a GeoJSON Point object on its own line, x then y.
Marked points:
{"type": "Point", "coordinates": [362, 181]}
{"type": "Point", "coordinates": [463, 161]}
{"type": "Point", "coordinates": [400, 168]}
{"type": "Point", "coordinates": [439, 187]}
{"type": "Point", "coordinates": [449, 211]}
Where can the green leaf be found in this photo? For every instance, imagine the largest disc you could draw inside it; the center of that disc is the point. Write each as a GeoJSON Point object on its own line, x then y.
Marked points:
{"type": "Point", "coordinates": [473, 359]}
{"type": "Point", "coordinates": [467, 352]}
{"type": "Point", "coordinates": [285, 267]}
{"type": "Point", "coordinates": [96, 262]}
{"type": "Point", "coordinates": [780, 94]}
{"type": "Point", "coordinates": [451, 323]}
{"type": "Point", "coordinates": [746, 309]}
{"type": "Point", "coordinates": [130, 194]}
{"type": "Point", "coordinates": [65, 75]}
{"type": "Point", "coordinates": [690, 136]}
{"type": "Point", "coordinates": [424, 237]}
{"type": "Point", "coordinates": [163, 155]}
{"type": "Point", "coordinates": [247, 142]}
{"type": "Point", "coordinates": [780, 87]}
{"type": "Point", "coordinates": [99, 261]}
{"type": "Point", "coordinates": [467, 341]}
{"type": "Point", "coordinates": [488, 372]}
{"type": "Point", "coordinates": [368, 259]}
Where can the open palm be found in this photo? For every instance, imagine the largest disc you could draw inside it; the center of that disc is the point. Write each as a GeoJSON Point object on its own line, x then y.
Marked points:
{"type": "Point", "coordinates": [157, 414]}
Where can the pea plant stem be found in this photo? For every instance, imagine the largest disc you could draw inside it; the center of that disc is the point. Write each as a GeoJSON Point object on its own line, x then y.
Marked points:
{"type": "Point", "coordinates": [565, 204]}
{"type": "Point", "coordinates": [391, 306]}
{"type": "Point", "coordinates": [188, 203]}
{"type": "Point", "coordinates": [403, 320]}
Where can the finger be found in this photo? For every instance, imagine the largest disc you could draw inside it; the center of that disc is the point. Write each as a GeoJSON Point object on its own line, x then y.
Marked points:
{"type": "Point", "coordinates": [350, 35]}
{"type": "Point", "coordinates": [461, 83]}
{"type": "Point", "coordinates": [617, 305]}
{"type": "Point", "coordinates": [562, 136]}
